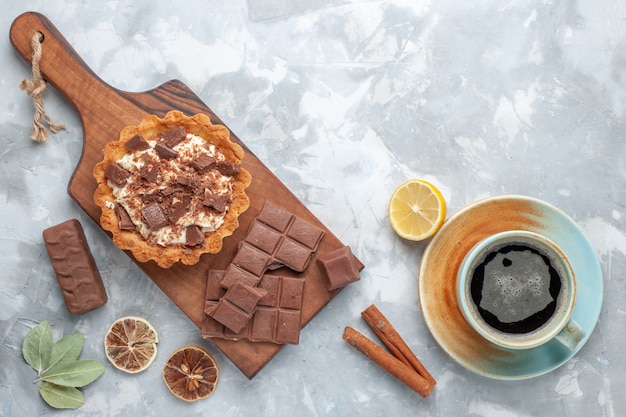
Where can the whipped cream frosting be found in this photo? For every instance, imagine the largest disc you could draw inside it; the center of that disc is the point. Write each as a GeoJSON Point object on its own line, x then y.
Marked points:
{"type": "Point", "coordinates": [177, 186]}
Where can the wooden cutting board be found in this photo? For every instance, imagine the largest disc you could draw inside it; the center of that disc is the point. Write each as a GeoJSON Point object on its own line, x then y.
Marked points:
{"type": "Point", "coordinates": [104, 111]}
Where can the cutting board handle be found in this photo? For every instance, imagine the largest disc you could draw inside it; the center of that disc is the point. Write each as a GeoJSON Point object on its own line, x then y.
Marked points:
{"type": "Point", "coordinates": [60, 64]}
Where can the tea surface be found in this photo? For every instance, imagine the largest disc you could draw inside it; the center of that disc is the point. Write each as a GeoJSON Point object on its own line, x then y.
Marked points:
{"type": "Point", "coordinates": [515, 288]}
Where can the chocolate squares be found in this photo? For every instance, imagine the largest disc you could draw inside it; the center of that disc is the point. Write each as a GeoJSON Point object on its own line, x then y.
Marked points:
{"type": "Point", "coordinates": [237, 306]}
{"type": "Point", "coordinates": [276, 315]}
{"type": "Point", "coordinates": [246, 302]}
{"type": "Point", "coordinates": [275, 238]}
{"type": "Point", "coordinates": [338, 268]}
{"type": "Point", "coordinates": [286, 238]}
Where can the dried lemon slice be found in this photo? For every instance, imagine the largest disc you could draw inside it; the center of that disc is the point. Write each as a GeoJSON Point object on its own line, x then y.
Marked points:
{"type": "Point", "coordinates": [416, 210]}
{"type": "Point", "coordinates": [130, 344]}
{"type": "Point", "coordinates": [191, 373]}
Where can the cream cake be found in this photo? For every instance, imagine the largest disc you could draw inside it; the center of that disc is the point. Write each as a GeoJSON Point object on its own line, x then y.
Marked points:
{"type": "Point", "coordinates": [171, 189]}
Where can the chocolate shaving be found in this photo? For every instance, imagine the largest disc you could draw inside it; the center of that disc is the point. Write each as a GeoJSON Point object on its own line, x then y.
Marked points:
{"type": "Point", "coordinates": [164, 151]}
{"type": "Point", "coordinates": [187, 180]}
{"type": "Point", "coordinates": [116, 174]}
{"type": "Point", "coordinates": [137, 143]}
{"type": "Point", "coordinates": [194, 235]}
{"type": "Point", "coordinates": [154, 217]}
{"type": "Point", "coordinates": [178, 207]}
{"type": "Point", "coordinates": [125, 221]}
{"type": "Point", "coordinates": [175, 189]}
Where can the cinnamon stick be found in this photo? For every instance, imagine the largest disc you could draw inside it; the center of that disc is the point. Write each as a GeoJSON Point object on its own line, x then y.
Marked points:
{"type": "Point", "coordinates": [394, 342]}
{"type": "Point", "coordinates": [388, 362]}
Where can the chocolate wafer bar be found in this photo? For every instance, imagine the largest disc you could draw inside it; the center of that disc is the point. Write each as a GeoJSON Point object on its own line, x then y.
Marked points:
{"type": "Point", "coordinates": [74, 267]}
{"type": "Point", "coordinates": [276, 317]}
{"type": "Point", "coordinates": [275, 238]}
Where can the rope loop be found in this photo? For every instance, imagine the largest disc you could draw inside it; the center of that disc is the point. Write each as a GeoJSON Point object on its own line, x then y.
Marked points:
{"type": "Point", "coordinates": [35, 88]}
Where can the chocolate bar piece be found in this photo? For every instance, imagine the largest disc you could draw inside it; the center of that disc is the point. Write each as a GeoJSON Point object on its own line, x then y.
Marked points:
{"type": "Point", "coordinates": [173, 136]}
{"type": "Point", "coordinates": [150, 168]}
{"type": "Point", "coordinates": [275, 238]}
{"type": "Point", "coordinates": [75, 267]}
{"type": "Point", "coordinates": [228, 168]}
{"type": "Point", "coordinates": [235, 274]}
{"type": "Point", "coordinates": [281, 292]}
{"type": "Point", "coordinates": [251, 259]}
{"type": "Point", "coordinates": [154, 216]}
{"type": "Point", "coordinates": [275, 325]}
{"type": "Point", "coordinates": [338, 268]}
{"type": "Point", "coordinates": [194, 235]}
{"type": "Point", "coordinates": [214, 291]}
{"type": "Point", "coordinates": [203, 162]}
{"type": "Point", "coordinates": [276, 317]}
{"type": "Point", "coordinates": [116, 174]}
{"type": "Point", "coordinates": [248, 266]}
{"type": "Point", "coordinates": [137, 143]}
{"type": "Point", "coordinates": [126, 223]}
{"type": "Point", "coordinates": [216, 201]}
{"type": "Point", "coordinates": [237, 306]}
{"type": "Point", "coordinates": [164, 151]}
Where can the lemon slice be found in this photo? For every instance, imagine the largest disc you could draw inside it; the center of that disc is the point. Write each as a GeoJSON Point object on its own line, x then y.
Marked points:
{"type": "Point", "coordinates": [130, 344]}
{"type": "Point", "coordinates": [416, 210]}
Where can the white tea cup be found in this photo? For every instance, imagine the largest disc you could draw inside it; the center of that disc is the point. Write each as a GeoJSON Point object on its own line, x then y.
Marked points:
{"type": "Point", "coordinates": [517, 289]}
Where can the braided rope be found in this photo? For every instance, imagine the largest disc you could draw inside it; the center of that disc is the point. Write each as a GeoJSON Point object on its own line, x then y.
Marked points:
{"type": "Point", "coordinates": [35, 88]}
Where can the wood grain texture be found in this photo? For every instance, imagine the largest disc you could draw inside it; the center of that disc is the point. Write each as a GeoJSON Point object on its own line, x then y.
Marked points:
{"type": "Point", "coordinates": [104, 111]}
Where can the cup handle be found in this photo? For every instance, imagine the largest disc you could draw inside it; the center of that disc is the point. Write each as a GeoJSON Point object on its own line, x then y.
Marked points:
{"type": "Point", "coordinates": [571, 335]}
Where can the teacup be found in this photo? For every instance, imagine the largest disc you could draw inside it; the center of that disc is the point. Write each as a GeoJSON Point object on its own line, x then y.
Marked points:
{"type": "Point", "coordinates": [517, 289]}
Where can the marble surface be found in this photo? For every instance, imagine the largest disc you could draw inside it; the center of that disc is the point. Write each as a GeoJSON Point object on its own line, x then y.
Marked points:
{"type": "Point", "coordinates": [342, 100]}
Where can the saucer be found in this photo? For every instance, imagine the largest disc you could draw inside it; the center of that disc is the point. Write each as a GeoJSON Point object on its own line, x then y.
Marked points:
{"type": "Point", "coordinates": [437, 284]}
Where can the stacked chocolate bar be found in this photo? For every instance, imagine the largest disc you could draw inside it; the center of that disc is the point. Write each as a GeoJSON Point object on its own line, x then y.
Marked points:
{"type": "Point", "coordinates": [244, 301]}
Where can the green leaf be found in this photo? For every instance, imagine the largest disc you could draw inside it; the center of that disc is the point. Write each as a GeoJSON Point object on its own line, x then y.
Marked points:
{"type": "Point", "coordinates": [61, 397]}
{"type": "Point", "coordinates": [66, 350]}
{"type": "Point", "coordinates": [74, 374]}
{"type": "Point", "coordinates": [37, 346]}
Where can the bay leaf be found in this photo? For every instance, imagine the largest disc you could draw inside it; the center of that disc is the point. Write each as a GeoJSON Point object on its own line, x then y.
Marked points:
{"type": "Point", "coordinates": [67, 349]}
{"type": "Point", "coordinates": [37, 346]}
{"type": "Point", "coordinates": [61, 397]}
{"type": "Point", "coordinates": [74, 374]}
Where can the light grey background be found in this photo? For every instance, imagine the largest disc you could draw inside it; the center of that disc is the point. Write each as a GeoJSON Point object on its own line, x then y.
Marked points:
{"type": "Point", "coordinates": [342, 101]}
